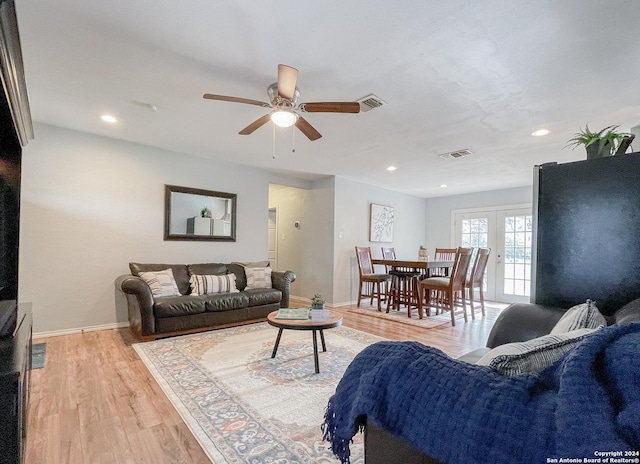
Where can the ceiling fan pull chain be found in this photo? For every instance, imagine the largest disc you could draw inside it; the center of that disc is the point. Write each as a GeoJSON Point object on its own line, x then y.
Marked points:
{"type": "Point", "coordinates": [293, 139]}
{"type": "Point", "coordinates": [273, 153]}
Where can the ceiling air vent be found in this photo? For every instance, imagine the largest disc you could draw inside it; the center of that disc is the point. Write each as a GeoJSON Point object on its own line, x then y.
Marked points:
{"type": "Point", "coordinates": [455, 154]}
{"type": "Point", "coordinates": [370, 102]}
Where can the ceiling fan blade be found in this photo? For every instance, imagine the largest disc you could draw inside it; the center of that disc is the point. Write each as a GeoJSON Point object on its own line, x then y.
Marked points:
{"type": "Point", "coordinates": [210, 96]}
{"type": "Point", "coordinates": [287, 77]}
{"type": "Point", "coordinates": [255, 124]}
{"type": "Point", "coordinates": [330, 107]}
{"type": "Point", "coordinates": [307, 129]}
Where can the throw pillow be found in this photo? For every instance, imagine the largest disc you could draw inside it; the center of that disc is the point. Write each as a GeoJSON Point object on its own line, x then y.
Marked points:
{"type": "Point", "coordinates": [208, 284]}
{"type": "Point", "coordinates": [533, 355]}
{"type": "Point", "coordinates": [161, 283]}
{"type": "Point", "coordinates": [258, 277]}
{"type": "Point", "coordinates": [582, 316]}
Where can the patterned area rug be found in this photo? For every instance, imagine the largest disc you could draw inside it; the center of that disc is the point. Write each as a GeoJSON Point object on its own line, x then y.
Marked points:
{"type": "Point", "coordinates": [245, 407]}
{"type": "Point", "coordinates": [401, 316]}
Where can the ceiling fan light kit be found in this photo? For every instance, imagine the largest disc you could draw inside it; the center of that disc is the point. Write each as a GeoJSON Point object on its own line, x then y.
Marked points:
{"type": "Point", "coordinates": [284, 97]}
{"type": "Point", "coordinates": [284, 118]}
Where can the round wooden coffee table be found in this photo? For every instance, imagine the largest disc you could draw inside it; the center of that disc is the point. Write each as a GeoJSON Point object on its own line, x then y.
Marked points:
{"type": "Point", "coordinates": [335, 320]}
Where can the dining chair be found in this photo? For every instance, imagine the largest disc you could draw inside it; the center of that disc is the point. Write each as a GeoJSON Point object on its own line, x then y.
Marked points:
{"type": "Point", "coordinates": [475, 279]}
{"type": "Point", "coordinates": [442, 254]}
{"type": "Point", "coordinates": [444, 290]}
{"type": "Point", "coordinates": [403, 288]}
{"type": "Point", "coordinates": [375, 284]}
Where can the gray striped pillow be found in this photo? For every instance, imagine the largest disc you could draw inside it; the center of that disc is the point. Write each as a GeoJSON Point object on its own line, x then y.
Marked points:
{"type": "Point", "coordinates": [582, 316]}
{"type": "Point", "coordinates": [161, 283]}
{"type": "Point", "coordinates": [208, 284]}
{"type": "Point", "coordinates": [258, 277]}
{"type": "Point", "coordinates": [533, 355]}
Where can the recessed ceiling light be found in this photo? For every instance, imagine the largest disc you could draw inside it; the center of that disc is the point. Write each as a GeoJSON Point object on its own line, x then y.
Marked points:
{"type": "Point", "coordinates": [540, 132]}
{"type": "Point", "coordinates": [108, 118]}
{"type": "Point", "coordinates": [391, 168]}
{"type": "Point", "coordinates": [443, 185]}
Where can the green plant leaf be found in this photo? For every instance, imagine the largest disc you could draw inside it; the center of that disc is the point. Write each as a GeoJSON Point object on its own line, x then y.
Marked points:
{"type": "Point", "coordinates": [603, 137]}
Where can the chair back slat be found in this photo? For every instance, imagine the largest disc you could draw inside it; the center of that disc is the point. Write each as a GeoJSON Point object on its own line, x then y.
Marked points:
{"type": "Point", "coordinates": [388, 253]}
{"type": "Point", "coordinates": [480, 266]}
{"type": "Point", "coordinates": [444, 254]}
{"type": "Point", "coordinates": [363, 254]}
{"type": "Point", "coordinates": [461, 263]}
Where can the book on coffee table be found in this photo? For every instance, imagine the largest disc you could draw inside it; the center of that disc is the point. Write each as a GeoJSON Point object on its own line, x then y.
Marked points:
{"type": "Point", "coordinates": [293, 313]}
{"type": "Point", "coordinates": [319, 315]}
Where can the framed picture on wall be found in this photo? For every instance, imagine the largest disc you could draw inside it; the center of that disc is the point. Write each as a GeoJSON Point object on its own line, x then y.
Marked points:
{"type": "Point", "coordinates": [381, 223]}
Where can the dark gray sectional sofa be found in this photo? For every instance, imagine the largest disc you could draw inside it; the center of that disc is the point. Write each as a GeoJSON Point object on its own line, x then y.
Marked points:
{"type": "Point", "coordinates": [151, 317]}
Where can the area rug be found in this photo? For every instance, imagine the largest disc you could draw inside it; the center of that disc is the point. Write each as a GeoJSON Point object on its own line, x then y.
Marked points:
{"type": "Point", "coordinates": [245, 407]}
{"type": "Point", "coordinates": [429, 322]}
{"type": "Point", "coordinates": [38, 355]}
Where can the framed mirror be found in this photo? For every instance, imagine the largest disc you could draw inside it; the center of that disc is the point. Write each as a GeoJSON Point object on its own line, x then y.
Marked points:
{"type": "Point", "coordinates": [196, 214]}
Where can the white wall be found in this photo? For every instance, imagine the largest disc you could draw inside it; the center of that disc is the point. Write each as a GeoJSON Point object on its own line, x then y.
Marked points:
{"type": "Point", "coordinates": [90, 205]}
{"type": "Point", "coordinates": [352, 206]}
{"type": "Point", "coordinates": [319, 248]}
{"type": "Point", "coordinates": [438, 211]}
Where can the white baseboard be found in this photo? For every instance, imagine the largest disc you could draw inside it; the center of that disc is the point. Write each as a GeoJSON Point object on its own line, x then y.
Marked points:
{"type": "Point", "coordinates": [346, 303]}
{"type": "Point", "coordinates": [92, 328]}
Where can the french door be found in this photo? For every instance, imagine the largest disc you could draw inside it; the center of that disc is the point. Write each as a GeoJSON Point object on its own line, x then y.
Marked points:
{"type": "Point", "coordinates": [507, 231]}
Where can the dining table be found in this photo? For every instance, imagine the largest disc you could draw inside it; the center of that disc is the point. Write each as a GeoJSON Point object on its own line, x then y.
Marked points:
{"type": "Point", "coordinates": [423, 269]}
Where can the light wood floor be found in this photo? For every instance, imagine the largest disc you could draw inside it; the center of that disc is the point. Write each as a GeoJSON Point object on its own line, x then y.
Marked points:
{"type": "Point", "coordinates": [95, 402]}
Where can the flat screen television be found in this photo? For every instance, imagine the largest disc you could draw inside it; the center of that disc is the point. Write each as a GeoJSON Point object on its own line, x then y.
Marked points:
{"type": "Point", "coordinates": [9, 223]}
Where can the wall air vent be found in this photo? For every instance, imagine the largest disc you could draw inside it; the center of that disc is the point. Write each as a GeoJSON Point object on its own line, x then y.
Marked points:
{"type": "Point", "coordinates": [455, 154]}
{"type": "Point", "coordinates": [370, 102]}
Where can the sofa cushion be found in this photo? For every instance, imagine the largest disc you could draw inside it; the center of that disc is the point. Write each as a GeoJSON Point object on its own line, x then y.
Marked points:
{"type": "Point", "coordinates": [161, 283]}
{"type": "Point", "coordinates": [207, 284]}
{"type": "Point", "coordinates": [263, 296]}
{"type": "Point", "coordinates": [629, 313]}
{"type": "Point", "coordinates": [225, 301]}
{"type": "Point", "coordinates": [258, 277]}
{"type": "Point", "coordinates": [238, 270]}
{"type": "Point", "coordinates": [582, 316]}
{"type": "Point", "coordinates": [534, 355]}
{"type": "Point", "coordinates": [180, 273]}
{"type": "Point", "coordinates": [207, 269]}
{"type": "Point", "coordinates": [171, 306]}
{"type": "Point", "coordinates": [474, 356]}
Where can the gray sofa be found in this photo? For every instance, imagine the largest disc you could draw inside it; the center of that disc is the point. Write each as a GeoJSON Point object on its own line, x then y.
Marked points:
{"type": "Point", "coordinates": [151, 317]}
{"type": "Point", "coordinates": [518, 322]}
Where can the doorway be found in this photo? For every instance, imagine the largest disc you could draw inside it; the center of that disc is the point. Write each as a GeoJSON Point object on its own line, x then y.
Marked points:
{"type": "Point", "coordinates": [507, 230]}
{"type": "Point", "coordinates": [272, 246]}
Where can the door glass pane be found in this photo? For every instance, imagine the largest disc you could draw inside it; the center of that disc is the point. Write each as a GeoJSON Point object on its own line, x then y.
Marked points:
{"type": "Point", "coordinates": [475, 233]}
{"type": "Point", "coordinates": [517, 255]}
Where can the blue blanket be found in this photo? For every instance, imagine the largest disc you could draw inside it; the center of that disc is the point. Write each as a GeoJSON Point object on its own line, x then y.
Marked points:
{"type": "Point", "coordinates": [456, 412]}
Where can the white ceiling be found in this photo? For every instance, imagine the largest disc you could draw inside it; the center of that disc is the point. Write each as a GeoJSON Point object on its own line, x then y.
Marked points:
{"type": "Point", "coordinates": [480, 75]}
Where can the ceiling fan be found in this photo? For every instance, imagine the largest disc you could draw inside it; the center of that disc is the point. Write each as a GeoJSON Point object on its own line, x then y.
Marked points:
{"type": "Point", "coordinates": [284, 101]}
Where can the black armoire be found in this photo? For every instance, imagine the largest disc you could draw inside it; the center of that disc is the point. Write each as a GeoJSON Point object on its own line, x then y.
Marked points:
{"type": "Point", "coordinates": [587, 226]}
{"type": "Point", "coordinates": [15, 316]}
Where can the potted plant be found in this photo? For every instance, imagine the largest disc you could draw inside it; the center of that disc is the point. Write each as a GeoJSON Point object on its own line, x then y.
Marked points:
{"type": "Point", "coordinates": [422, 253]}
{"type": "Point", "coordinates": [605, 142]}
{"type": "Point", "coordinates": [205, 212]}
{"type": "Point", "coordinates": [317, 302]}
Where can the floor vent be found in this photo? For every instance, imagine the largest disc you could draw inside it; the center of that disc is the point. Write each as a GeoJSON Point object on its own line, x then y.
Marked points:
{"type": "Point", "coordinates": [455, 154]}
{"type": "Point", "coordinates": [370, 102]}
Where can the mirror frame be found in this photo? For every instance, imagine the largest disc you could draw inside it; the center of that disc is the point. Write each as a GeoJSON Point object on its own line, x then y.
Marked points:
{"type": "Point", "coordinates": [169, 189]}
